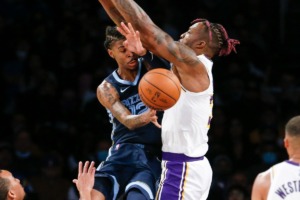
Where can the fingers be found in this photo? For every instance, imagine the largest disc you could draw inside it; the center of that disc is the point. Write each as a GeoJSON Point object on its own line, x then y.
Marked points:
{"type": "Point", "coordinates": [155, 122]}
{"type": "Point", "coordinates": [125, 43]}
{"type": "Point", "coordinates": [131, 28]}
{"type": "Point", "coordinates": [79, 168]}
{"type": "Point", "coordinates": [152, 113]}
{"type": "Point", "coordinates": [126, 29]}
{"type": "Point", "coordinates": [85, 168]}
{"type": "Point", "coordinates": [91, 167]}
{"type": "Point", "coordinates": [121, 31]}
{"type": "Point", "coordinates": [137, 34]}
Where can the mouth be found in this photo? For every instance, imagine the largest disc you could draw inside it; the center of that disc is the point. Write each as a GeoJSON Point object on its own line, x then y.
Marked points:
{"type": "Point", "coordinates": [133, 61]}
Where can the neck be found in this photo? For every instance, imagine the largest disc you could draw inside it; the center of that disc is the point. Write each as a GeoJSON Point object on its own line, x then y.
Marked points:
{"type": "Point", "coordinates": [128, 75]}
{"type": "Point", "coordinates": [295, 156]}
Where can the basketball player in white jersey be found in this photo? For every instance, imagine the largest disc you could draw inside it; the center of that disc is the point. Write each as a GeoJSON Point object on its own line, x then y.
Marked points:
{"type": "Point", "coordinates": [186, 172]}
{"type": "Point", "coordinates": [282, 181]}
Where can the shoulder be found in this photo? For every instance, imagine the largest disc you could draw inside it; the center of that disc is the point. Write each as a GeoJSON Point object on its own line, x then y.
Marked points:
{"type": "Point", "coordinates": [106, 90]}
{"type": "Point", "coordinates": [263, 177]}
{"type": "Point", "coordinates": [104, 86]}
{"type": "Point", "coordinates": [261, 185]}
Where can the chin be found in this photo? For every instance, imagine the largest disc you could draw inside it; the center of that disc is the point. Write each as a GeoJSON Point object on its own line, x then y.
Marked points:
{"type": "Point", "coordinates": [133, 65]}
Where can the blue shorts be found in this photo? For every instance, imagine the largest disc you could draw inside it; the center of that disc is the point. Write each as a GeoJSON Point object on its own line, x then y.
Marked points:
{"type": "Point", "coordinates": [128, 166]}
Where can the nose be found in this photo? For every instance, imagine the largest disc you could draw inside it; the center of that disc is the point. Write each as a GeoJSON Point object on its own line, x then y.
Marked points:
{"type": "Point", "coordinates": [182, 35]}
{"type": "Point", "coordinates": [129, 54]}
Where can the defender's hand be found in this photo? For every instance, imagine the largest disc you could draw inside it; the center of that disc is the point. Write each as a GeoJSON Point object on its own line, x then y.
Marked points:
{"type": "Point", "coordinates": [133, 42]}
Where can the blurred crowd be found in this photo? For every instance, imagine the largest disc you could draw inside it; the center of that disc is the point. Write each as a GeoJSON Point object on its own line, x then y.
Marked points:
{"type": "Point", "coordinates": [52, 59]}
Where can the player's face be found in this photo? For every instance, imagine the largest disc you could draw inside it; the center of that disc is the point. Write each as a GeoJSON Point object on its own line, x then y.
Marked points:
{"type": "Point", "coordinates": [15, 185]}
{"type": "Point", "coordinates": [193, 35]}
{"type": "Point", "coordinates": [124, 58]}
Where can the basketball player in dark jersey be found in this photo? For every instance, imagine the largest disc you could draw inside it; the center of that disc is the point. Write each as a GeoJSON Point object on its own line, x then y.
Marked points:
{"type": "Point", "coordinates": [132, 167]}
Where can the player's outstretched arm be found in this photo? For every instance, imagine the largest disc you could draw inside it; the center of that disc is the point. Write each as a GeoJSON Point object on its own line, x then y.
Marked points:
{"type": "Point", "coordinates": [112, 12]}
{"type": "Point", "coordinates": [153, 38]}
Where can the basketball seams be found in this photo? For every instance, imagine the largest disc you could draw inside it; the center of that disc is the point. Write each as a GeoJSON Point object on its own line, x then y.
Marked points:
{"type": "Point", "coordinates": [169, 77]}
{"type": "Point", "coordinates": [159, 89]}
{"type": "Point", "coordinates": [148, 101]}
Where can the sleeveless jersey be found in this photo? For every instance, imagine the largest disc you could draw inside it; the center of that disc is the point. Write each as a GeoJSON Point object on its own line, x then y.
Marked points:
{"type": "Point", "coordinates": [186, 124]}
{"type": "Point", "coordinates": [285, 181]}
{"type": "Point", "coordinates": [128, 91]}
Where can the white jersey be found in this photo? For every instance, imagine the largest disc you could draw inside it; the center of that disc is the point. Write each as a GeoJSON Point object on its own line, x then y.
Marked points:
{"type": "Point", "coordinates": [186, 124]}
{"type": "Point", "coordinates": [285, 181]}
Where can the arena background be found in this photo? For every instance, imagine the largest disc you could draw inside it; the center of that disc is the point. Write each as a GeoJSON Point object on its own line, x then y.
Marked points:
{"type": "Point", "coordinates": [52, 59]}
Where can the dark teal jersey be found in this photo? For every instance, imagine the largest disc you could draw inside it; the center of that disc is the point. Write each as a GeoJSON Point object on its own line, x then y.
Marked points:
{"type": "Point", "coordinates": [129, 96]}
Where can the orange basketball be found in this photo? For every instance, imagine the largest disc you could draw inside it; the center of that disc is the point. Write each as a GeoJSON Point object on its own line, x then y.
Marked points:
{"type": "Point", "coordinates": [159, 89]}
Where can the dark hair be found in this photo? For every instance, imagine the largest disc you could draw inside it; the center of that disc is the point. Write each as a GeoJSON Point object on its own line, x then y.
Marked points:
{"type": "Point", "coordinates": [112, 35]}
{"type": "Point", "coordinates": [292, 127]}
{"type": "Point", "coordinates": [4, 187]}
{"type": "Point", "coordinates": [219, 41]}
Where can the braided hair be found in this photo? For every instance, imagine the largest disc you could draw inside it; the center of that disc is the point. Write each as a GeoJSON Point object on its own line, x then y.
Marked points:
{"type": "Point", "coordinates": [112, 35]}
{"type": "Point", "coordinates": [219, 41]}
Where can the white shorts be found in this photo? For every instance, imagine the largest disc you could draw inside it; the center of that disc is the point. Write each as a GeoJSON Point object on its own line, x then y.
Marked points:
{"type": "Point", "coordinates": [184, 178]}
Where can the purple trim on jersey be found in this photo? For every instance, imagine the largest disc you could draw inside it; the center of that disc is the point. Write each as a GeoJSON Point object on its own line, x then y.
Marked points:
{"type": "Point", "coordinates": [174, 180]}
{"type": "Point", "coordinates": [292, 163]}
{"type": "Point", "coordinates": [179, 157]}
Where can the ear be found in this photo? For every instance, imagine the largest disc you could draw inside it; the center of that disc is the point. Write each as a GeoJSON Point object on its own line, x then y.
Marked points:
{"type": "Point", "coordinates": [11, 194]}
{"type": "Point", "coordinates": [201, 44]}
{"type": "Point", "coordinates": [286, 143]}
{"type": "Point", "coordinates": [110, 53]}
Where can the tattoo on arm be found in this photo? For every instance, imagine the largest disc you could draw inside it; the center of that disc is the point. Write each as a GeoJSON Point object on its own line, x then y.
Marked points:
{"type": "Point", "coordinates": [117, 17]}
{"type": "Point", "coordinates": [108, 95]}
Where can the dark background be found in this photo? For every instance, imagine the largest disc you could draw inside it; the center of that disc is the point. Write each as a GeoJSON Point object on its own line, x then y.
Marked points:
{"type": "Point", "coordinates": [52, 59]}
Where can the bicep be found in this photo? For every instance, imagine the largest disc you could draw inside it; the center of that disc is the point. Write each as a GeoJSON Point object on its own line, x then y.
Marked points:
{"type": "Point", "coordinates": [163, 45]}
{"type": "Point", "coordinates": [109, 98]}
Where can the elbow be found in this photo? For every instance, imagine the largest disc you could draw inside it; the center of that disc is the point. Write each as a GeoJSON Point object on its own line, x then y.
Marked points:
{"type": "Point", "coordinates": [128, 123]}
{"type": "Point", "coordinates": [131, 127]}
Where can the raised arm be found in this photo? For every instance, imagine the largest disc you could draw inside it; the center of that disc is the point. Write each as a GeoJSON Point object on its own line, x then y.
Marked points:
{"type": "Point", "coordinates": [153, 38]}
{"type": "Point", "coordinates": [85, 179]}
{"type": "Point", "coordinates": [109, 98]}
{"type": "Point", "coordinates": [112, 12]}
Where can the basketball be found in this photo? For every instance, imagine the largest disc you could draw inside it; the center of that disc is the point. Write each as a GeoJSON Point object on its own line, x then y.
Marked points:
{"type": "Point", "coordinates": [159, 89]}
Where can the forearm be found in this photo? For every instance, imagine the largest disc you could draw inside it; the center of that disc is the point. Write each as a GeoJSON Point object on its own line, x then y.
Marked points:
{"type": "Point", "coordinates": [135, 121]}
{"type": "Point", "coordinates": [112, 12]}
{"type": "Point", "coordinates": [152, 37]}
{"type": "Point", "coordinates": [133, 13]}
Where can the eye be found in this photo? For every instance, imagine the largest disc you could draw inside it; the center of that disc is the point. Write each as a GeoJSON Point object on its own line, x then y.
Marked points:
{"type": "Point", "coordinates": [122, 49]}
